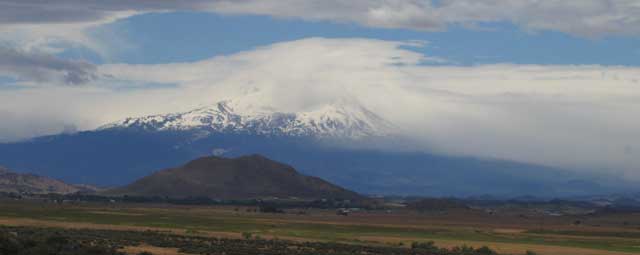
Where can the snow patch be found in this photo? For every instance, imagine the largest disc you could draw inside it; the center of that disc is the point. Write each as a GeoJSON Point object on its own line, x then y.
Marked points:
{"type": "Point", "coordinates": [337, 120]}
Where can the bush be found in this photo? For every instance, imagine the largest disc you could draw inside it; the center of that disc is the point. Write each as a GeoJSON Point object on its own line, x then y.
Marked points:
{"type": "Point", "coordinates": [484, 250]}
{"type": "Point", "coordinates": [425, 247]}
{"type": "Point", "coordinates": [49, 241]}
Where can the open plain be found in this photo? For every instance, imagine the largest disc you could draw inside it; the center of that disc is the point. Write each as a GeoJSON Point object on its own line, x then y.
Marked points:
{"type": "Point", "coordinates": [507, 232]}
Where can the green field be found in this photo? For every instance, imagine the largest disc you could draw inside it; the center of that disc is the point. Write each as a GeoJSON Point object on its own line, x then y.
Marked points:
{"type": "Point", "coordinates": [375, 228]}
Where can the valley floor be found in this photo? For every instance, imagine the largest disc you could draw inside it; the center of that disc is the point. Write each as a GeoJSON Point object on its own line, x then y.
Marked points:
{"type": "Point", "coordinates": [507, 232]}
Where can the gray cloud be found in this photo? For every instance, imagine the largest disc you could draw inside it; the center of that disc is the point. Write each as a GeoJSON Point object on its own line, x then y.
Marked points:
{"type": "Point", "coordinates": [69, 11]}
{"type": "Point", "coordinates": [590, 18]}
{"type": "Point", "coordinates": [41, 25]}
{"type": "Point", "coordinates": [45, 68]}
{"type": "Point", "coordinates": [14, 125]}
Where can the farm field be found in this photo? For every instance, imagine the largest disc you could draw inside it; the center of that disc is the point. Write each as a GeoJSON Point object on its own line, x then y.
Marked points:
{"type": "Point", "coordinates": [506, 233]}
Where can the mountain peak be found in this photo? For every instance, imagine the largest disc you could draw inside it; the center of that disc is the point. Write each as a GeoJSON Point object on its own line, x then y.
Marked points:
{"type": "Point", "coordinates": [339, 119]}
{"type": "Point", "coordinates": [245, 177]}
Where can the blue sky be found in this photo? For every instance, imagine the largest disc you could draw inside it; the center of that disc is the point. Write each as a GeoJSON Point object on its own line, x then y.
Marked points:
{"type": "Point", "coordinates": [191, 36]}
{"type": "Point", "coordinates": [541, 81]}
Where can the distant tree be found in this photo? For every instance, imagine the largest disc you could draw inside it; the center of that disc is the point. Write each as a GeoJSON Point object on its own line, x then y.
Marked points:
{"type": "Point", "coordinates": [270, 209]}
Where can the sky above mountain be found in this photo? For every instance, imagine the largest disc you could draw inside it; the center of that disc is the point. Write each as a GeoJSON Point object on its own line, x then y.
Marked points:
{"type": "Point", "coordinates": [542, 81]}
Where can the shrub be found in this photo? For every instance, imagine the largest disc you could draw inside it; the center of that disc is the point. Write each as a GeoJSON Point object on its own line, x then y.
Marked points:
{"type": "Point", "coordinates": [484, 250]}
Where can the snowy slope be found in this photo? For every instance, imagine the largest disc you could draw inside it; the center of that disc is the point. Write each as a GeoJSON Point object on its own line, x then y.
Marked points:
{"type": "Point", "coordinates": [337, 120]}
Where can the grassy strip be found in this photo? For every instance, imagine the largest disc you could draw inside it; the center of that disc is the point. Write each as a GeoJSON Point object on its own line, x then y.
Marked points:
{"type": "Point", "coordinates": [221, 222]}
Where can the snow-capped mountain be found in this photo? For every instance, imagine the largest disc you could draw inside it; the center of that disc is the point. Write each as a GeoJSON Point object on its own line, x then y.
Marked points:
{"type": "Point", "coordinates": [336, 120]}
{"type": "Point", "coordinates": [127, 150]}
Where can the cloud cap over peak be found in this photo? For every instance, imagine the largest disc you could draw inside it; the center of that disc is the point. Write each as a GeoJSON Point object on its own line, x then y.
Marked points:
{"type": "Point", "coordinates": [580, 117]}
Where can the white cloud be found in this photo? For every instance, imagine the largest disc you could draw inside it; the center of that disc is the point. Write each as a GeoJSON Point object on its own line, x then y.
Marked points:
{"type": "Point", "coordinates": [31, 23]}
{"type": "Point", "coordinates": [33, 27]}
{"type": "Point", "coordinates": [573, 116]}
{"type": "Point", "coordinates": [590, 18]}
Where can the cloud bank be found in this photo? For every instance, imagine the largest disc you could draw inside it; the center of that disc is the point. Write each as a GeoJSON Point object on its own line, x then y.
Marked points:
{"type": "Point", "coordinates": [591, 18]}
{"type": "Point", "coordinates": [31, 27]}
{"type": "Point", "coordinates": [580, 117]}
{"type": "Point", "coordinates": [44, 68]}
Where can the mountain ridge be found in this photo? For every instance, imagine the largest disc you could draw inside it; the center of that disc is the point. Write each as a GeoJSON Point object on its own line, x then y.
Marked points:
{"type": "Point", "coordinates": [13, 182]}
